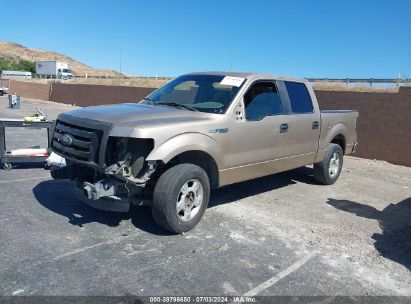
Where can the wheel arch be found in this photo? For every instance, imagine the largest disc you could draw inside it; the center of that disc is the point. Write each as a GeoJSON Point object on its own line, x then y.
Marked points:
{"type": "Point", "coordinates": [340, 140]}
{"type": "Point", "coordinates": [201, 159]}
{"type": "Point", "coordinates": [336, 135]}
{"type": "Point", "coordinates": [195, 148]}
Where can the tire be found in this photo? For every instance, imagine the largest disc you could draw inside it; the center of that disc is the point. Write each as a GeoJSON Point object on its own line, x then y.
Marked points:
{"type": "Point", "coordinates": [180, 198]}
{"type": "Point", "coordinates": [7, 166]}
{"type": "Point", "coordinates": [328, 171]}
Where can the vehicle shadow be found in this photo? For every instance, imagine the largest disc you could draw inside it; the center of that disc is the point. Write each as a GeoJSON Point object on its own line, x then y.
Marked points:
{"type": "Point", "coordinates": [394, 242]}
{"type": "Point", "coordinates": [261, 185]}
{"type": "Point", "coordinates": [59, 197]}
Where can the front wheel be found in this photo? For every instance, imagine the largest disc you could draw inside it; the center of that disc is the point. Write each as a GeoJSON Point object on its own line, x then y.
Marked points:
{"type": "Point", "coordinates": [180, 197]}
{"type": "Point", "coordinates": [328, 171]}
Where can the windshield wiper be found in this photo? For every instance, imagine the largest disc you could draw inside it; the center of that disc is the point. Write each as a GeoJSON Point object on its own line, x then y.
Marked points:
{"type": "Point", "coordinates": [177, 105]}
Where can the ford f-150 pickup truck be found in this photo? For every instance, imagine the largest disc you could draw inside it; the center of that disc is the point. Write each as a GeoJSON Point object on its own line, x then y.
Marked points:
{"type": "Point", "coordinates": [200, 131]}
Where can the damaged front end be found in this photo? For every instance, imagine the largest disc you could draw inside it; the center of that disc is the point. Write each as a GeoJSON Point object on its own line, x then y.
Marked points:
{"type": "Point", "coordinates": [123, 179]}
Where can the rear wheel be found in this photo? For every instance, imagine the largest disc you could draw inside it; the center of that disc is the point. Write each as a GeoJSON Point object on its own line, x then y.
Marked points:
{"type": "Point", "coordinates": [180, 197]}
{"type": "Point", "coordinates": [328, 171]}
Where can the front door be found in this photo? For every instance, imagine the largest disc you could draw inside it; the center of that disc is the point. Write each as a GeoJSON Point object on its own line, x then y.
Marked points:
{"type": "Point", "coordinates": [257, 141]}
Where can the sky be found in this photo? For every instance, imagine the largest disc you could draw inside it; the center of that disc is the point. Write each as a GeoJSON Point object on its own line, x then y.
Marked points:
{"type": "Point", "coordinates": [356, 39]}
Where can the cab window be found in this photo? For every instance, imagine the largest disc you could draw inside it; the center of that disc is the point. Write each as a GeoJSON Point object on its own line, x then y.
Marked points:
{"type": "Point", "coordinates": [299, 97]}
{"type": "Point", "coordinates": [262, 100]}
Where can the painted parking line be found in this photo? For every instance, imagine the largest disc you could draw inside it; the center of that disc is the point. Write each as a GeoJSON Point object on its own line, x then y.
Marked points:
{"type": "Point", "coordinates": [279, 276]}
{"type": "Point", "coordinates": [113, 241]}
{"type": "Point", "coordinates": [24, 179]}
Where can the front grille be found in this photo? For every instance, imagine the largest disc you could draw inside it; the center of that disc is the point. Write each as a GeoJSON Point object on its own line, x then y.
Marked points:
{"type": "Point", "coordinates": [84, 144]}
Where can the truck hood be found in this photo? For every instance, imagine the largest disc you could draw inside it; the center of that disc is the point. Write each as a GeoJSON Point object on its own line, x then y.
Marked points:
{"type": "Point", "coordinates": [135, 115]}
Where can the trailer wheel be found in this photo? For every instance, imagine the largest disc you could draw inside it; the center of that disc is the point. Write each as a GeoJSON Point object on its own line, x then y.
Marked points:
{"type": "Point", "coordinates": [7, 166]}
{"type": "Point", "coordinates": [180, 197]}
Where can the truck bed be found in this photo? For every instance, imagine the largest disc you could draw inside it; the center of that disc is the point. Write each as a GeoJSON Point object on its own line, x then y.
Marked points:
{"type": "Point", "coordinates": [342, 122]}
{"type": "Point", "coordinates": [338, 111]}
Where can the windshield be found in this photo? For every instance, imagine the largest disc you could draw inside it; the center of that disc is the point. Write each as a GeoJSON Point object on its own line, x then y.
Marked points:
{"type": "Point", "coordinates": [205, 93]}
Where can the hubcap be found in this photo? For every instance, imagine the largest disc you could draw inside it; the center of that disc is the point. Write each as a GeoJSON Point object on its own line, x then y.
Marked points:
{"type": "Point", "coordinates": [190, 199]}
{"type": "Point", "coordinates": [334, 166]}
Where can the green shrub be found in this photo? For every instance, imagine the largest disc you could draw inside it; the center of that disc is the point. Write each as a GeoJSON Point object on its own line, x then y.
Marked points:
{"type": "Point", "coordinates": [17, 65]}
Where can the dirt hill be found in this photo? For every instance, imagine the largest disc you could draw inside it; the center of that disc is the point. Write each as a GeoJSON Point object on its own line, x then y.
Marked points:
{"type": "Point", "coordinates": [16, 51]}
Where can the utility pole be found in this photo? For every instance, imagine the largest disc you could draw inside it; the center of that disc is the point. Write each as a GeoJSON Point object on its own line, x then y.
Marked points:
{"type": "Point", "coordinates": [120, 67]}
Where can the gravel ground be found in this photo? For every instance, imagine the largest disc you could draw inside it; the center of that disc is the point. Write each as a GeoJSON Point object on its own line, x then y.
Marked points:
{"type": "Point", "coordinates": [301, 238]}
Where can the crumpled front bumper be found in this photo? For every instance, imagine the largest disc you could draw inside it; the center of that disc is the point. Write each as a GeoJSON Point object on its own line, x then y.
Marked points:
{"type": "Point", "coordinates": [104, 203]}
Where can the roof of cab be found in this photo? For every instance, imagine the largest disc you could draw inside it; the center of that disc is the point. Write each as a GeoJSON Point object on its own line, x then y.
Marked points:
{"type": "Point", "coordinates": [250, 75]}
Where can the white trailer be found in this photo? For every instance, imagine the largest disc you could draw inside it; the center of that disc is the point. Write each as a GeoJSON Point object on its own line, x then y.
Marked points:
{"type": "Point", "coordinates": [15, 74]}
{"type": "Point", "coordinates": [53, 69]}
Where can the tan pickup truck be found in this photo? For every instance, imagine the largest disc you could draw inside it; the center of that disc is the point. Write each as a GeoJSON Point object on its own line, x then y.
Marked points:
{"type": "Point", "coordinates": [198, 132]}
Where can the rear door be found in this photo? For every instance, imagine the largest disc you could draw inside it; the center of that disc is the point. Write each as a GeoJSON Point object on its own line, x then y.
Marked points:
{"type": "Point", "coordinates": [304, 125]}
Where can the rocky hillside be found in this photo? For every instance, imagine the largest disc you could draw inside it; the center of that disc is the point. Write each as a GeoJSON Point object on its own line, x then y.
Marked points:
{"type": "Point", "coordinates": [14, 51]}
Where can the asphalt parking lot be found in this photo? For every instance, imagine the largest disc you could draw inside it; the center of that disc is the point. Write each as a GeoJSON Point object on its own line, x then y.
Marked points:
{"type": "Point", "coordinates": [279, 235]}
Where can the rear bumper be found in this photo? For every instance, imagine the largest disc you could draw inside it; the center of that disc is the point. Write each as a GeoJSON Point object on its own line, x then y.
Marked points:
{"type": "Point", "coordinates": [351, 148]}
{"type": "Point", "coordinates": [354, 147]}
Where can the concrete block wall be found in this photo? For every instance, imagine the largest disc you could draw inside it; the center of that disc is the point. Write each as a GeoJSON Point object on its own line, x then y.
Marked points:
{"type": "Point", "coordinates": [91, 95]}
{"type": "Point", "coordinates": [384, 125]}
{"type": "Point", "coordinates": [30, 89]}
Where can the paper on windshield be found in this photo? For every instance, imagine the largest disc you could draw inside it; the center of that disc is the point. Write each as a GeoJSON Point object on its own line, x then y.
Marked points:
{"type": "Point", "coordinates": [232, 81]}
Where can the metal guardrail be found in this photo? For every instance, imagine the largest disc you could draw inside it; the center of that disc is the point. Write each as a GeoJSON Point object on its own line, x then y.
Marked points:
{"type": "Point", "coordinates": [342, 80]}
{"type": "Point", "coordinates": [370, 81]}
{"type": "Point", "coordinates": [103, 77]}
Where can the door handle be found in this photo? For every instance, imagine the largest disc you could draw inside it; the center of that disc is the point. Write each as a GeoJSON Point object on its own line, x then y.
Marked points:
{"type": "Point", "coordinates": [316, 125]}
{"type": "Point", "coordinates": [283, 128]}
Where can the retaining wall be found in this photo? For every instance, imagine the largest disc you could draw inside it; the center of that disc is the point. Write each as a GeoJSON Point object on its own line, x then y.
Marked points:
{"type": "Point", "coordinates": [30, 89]}
{"type": "Point", "coordinates": [384, 125]}
{"type": "Point", "coordinates": [90, 95]}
